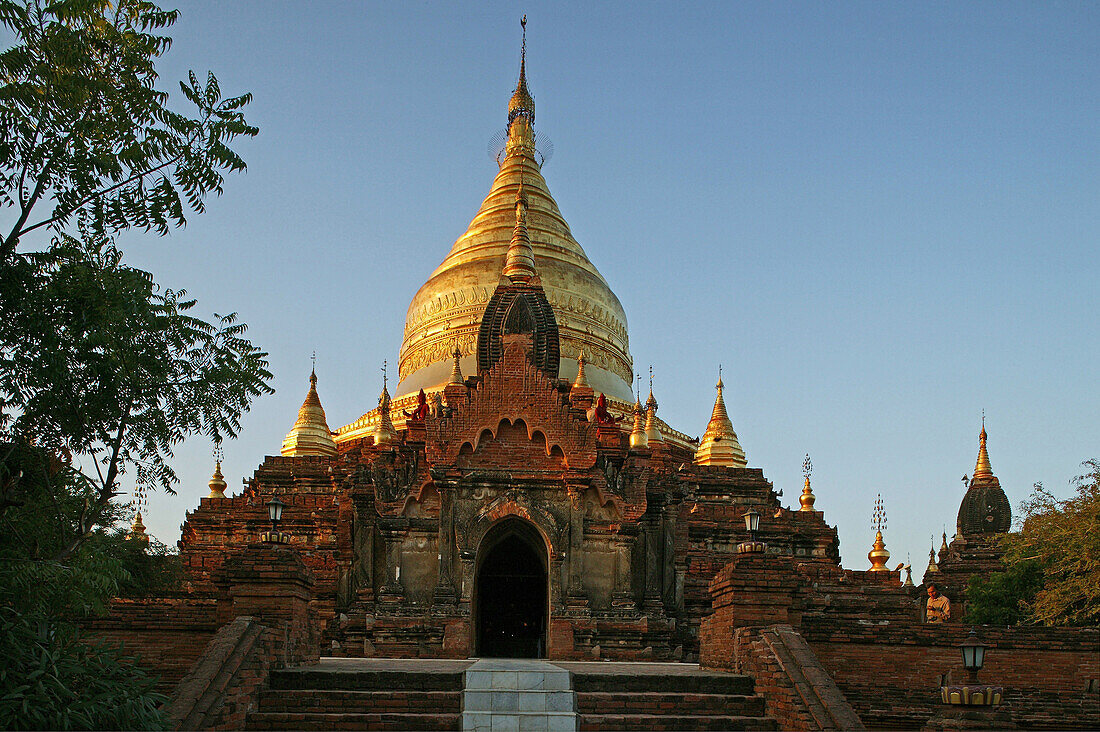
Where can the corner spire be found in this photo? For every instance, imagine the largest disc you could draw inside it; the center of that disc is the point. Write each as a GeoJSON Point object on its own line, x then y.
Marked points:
{"type": "Point", "coordinates": [384, 432]}
{"type": "Point", "coordinates": [456, 371]}
{"type": "Point", "coordinates": [217, 482]}
{"type": "Point", "coordinates": [310, 434]}
{"type": "Point", "coordinates": [637, 433]}
{"type": "Point", "coordinates": [983, 471]}
{"type": "Point", "coordinates": [519, 263]}
{"type": "Point", "coordinates": [582, 380]}
{"type": "Point", "coordinates": [719, 445]}
{"type": "Point", "coordinates": [807, 499]}
{"type": "Point", "coordinates": [652, 433]}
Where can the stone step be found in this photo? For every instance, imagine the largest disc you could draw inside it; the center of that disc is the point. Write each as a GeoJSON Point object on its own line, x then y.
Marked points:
{"type": "Point", "coordinates": [518, 700]}
{"type": "Point", "coordinates": [660, 702]}
{"type": "Point", "coordinates": [374, 701]}
{"type": "Point", "coordinates": [366, 680]}
{"type": "Point", "coordinates": [700, 683]}
{"type": "Point", "coordinates": [486, 675]}
{"type": "Point", "coordinates": [352, 721]}
{"type": "Point", "coordinates": [519, 722]}
{"type": "Point", "coordinates": [600, 722]}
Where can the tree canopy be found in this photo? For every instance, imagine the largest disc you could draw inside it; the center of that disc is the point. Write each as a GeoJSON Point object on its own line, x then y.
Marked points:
{"type": "Point", "coordinates": [1052, 564]}
{"type": "Point", "coordinates": [103, 371]}
{"type": "Point", "coordinates": [85, 130]}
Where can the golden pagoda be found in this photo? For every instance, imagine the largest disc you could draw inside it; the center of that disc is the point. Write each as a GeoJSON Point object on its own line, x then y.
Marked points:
{"type": "Point", "coordinates": [385, 431]}
{"type": "Point", "coordinates": [448, 308]}
{"type": "Point", "coordinates": [310, 434]}
{"type": "Point", "coordinates": [719, 445]}
{"type": "Point", "coordinates": [137, 530]}
{"type": "Point", "coordinates": [652, 432]}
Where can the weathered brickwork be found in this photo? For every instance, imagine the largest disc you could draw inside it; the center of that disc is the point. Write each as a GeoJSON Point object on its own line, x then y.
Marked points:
{"type": "Point", "coordinates": [865, 631]}
{"type": "Point", "coordinates": [394, 533]}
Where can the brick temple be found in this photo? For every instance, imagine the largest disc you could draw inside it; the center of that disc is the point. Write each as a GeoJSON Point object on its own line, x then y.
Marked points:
{"type": "Point", "coordinates": [516, 500]}
{"type": "Point", "coordinates": [515, 497]}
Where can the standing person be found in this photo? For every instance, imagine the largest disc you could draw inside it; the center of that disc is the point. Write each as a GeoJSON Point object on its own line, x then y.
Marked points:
{"type": "Point", "coordinates": [938, 608]}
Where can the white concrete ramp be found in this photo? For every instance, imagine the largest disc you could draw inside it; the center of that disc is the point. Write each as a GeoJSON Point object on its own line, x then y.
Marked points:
{"type": "Point", "coordinates": [518, 695]}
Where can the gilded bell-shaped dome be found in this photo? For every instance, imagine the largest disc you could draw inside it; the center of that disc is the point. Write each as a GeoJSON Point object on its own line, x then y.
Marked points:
{"type": "Point", "coordinates": [446, 311]}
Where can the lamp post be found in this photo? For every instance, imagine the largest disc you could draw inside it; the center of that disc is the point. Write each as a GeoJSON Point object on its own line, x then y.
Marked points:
{"type": "Point", "coordinates": [972, 693]}
{"type": "Point", "coordinates": [752, 525]}
{"type": "Point", "coordinates": [275, 513]}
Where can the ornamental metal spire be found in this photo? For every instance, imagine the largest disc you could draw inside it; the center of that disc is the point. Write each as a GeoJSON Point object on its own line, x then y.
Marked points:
{"type": "Point", "coordinates": [879, 555]}
{"type": "Point", "coordinates": [217, 482]}
{"type": "Point", "coordinates": [522, 103]}
{"type": "Point", "coordinates": [807, 499]}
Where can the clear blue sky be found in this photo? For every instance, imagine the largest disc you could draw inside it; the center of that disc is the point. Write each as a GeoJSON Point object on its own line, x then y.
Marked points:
{"type": "Point", "coordinates": [881, 218]}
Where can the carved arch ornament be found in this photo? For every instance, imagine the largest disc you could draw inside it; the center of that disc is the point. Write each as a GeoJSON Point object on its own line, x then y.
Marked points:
{"type": "Point", "coordinates": [515, 504]}
{"type": "Point", "coordinates": [551, 446]}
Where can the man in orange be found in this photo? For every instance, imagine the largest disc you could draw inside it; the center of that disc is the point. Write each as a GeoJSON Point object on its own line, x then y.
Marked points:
{"type": "Point", "coordinates": [938, 609]}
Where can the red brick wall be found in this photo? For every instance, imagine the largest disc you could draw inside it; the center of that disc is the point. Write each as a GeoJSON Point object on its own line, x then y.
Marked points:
{"type": "Point", "coordinates": [168, 635]}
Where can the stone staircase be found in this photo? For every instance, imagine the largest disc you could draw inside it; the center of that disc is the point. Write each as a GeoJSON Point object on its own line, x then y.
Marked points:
{"type": "Point", "coordinates": [498, 695]}
{"type": "Point", "coordinates": [346, 698]}
{"type": "Point", "coordinates": [666, 697]}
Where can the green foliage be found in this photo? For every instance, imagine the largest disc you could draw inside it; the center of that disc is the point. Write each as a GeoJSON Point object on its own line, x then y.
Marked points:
{"type": "Point", "coordinates": [101, 366]}
{"type": "Point", "coordinates": [1063, 538]}
{"type": "Point", "coordinates": [84, 130]}
{"type": "Point", "coordinates": [1005, 597]}
{"type": "Point", "coordinates": [51, 679]}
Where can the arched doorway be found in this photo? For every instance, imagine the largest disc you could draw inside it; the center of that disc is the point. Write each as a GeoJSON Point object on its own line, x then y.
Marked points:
{"type": "Point", "coordinates": [510, 592]}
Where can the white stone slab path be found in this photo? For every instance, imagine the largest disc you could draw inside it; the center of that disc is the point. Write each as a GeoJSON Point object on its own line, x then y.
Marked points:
{"type": "Point", "coordinates": [518, 695]}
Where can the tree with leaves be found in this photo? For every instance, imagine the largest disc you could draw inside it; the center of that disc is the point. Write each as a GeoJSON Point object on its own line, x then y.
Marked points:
{"type": "Point", "coordinates": [103, 372]}
{"type": "Point", "coordinates": [84, 130]}
{"type": "Point", "coordinates": [1052, 564]}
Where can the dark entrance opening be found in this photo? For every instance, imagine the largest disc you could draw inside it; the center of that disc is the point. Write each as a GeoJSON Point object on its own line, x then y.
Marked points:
{"type": "Point", "coordinates": [511, 600]}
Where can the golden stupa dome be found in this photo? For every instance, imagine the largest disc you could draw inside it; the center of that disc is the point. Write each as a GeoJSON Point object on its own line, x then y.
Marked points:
{"type": "Point", "coordinates": [310, 434]}
{"type": "Point", "coordinates": [446, 312]}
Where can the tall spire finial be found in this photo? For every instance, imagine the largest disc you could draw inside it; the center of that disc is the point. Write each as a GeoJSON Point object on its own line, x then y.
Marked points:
{"type": "Point", "coordinates": [522, 104]}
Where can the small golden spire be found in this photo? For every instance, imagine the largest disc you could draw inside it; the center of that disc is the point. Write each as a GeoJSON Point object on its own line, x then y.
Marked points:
{"type": "Point", "coordinates": [807, 499]}
{"type": "Point", "coordinates": [908, 575]}
{"type": "Point", "coordinates": [719, 445]}
{"type": "Point", "coordinates": [310, 434]}
{"type": "Point", "coordinates": [637, 433]}
{"type": "Point", "coordinates": [519, 262]}
{"type": "Point", "coordinates": [982, 470]}
{"type": "Point", "coordinates": [137, 530]}
{"type": "Point", "coordinates": [581, 380]}
{"type": "Point", "coordinates": [879, 555]}
{"type": "Point", "coordinates": [943, 547]}
{"type": "Point", "coordinates": [384, 432]}
{"type": "Point", "coordinates": [456, 372]}
{"type": "Point", "coordinates": [652, 433]}
{"type": "Point", "coordinates": [217, 482]}
{"type": "Point", "coordinates": [932, 566]}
